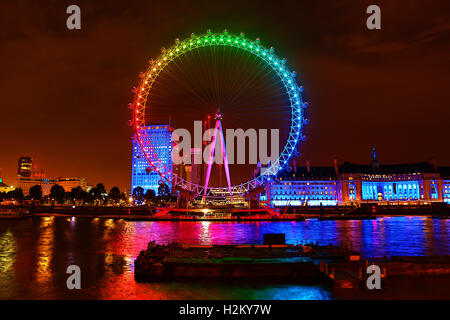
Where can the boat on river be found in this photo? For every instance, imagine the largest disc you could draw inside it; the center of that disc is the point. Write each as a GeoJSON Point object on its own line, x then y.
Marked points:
{"type": "Point", "coordinates": [272, 260]}
{"type": "Point", "coordinates": [14, 213]}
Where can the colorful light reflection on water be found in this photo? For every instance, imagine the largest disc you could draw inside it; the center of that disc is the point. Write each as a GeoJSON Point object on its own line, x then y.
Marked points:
{"type": "Point", "coordinates": [34, 253]}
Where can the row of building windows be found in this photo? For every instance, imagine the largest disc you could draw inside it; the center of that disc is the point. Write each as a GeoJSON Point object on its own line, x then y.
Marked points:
{"type": "Point", "coordinates": [160, 138]}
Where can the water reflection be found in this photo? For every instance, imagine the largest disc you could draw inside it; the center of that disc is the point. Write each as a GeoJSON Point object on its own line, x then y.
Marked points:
{"type": "Point", "coordinates": [45, 250]}
{"type": "Point", "coordinates": [7, 259]}
{"type": "Point", "coordinates": [35, 253]}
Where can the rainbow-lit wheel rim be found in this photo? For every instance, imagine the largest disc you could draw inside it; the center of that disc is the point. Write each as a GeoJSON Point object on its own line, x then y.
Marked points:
{"type": "Point", "coordinates": [220, 39]}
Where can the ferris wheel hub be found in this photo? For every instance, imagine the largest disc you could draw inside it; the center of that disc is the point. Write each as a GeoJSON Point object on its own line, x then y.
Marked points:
{"type": "Point", "coordinates": [218, 115]}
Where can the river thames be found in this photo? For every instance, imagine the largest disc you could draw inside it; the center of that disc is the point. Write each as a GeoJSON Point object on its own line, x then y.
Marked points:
{"type": "Point", "coordinates": [34, 253]}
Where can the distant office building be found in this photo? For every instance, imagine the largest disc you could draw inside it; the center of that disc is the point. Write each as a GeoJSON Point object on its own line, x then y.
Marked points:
{"type": "Point", "coordinates": [69, 183]}
{"type": "Point", "coordinates": [46, 184]}
{"type": "Point", "coordinates": [27, 178]}
{"type": "Point", "coordinates": [190, 172]}
{"type": "Point", "coordinates": [24, 167]}
{"type": "Point", "coordinates": [160, 137]}
{"type": "Point", "coordinates": [196, 168]}
{"type": "Point", "coordinates": [26, 183]}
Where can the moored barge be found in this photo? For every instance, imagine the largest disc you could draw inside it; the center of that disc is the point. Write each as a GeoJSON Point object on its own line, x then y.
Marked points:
{"type": "Point", "coordinates": [178, 261]}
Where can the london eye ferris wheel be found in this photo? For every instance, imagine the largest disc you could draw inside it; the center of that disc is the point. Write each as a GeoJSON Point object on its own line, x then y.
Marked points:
{"type": "Point", "coordinates": [250, 84]}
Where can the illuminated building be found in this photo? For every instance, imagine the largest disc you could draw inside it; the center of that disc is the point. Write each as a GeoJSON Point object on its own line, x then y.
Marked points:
{"type": "Point", "coordinates": [24, 167]}
{"type": "Point", "coordinates": [195, 168]}
{"type": "Point", "coordinates": [46, 184]}
{"type": "Point", "coordinates": [306, 186]}
{"type": "Point", "coordinates": [160, 137]}
{"type": "Point", "coordinates": [445, 176]}
{"type": "Point", "coordinates": [27, 178]}
{"type": "Point", "coordinates": [26, 183]}
{"type": "Point", "coordinates": [69, 183]}
{"type": "Point", "coordinates": [355, 183]}
{"type": "Point", "coordinates": [4, 187]}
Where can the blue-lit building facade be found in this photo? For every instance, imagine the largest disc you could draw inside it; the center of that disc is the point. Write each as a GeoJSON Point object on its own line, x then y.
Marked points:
{"type": "Point", "coordinates": [350, 183]}
{"type": "Point", "coordinates": [445, 176]}
{"type": "Point", "coordinates": [160, 137]}
{"type": "Point", "coordinates": [301, 186]}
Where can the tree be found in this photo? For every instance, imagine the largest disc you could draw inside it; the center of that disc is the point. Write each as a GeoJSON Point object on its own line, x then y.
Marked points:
{"type": "Point", "coordinates": [16, 194]}
{"type": "Point", "coordinates": [36, 193]}
{"type": "Point", "coordinates": [123, 197]}
{"type": "Point", "coordinates": [57, 193]}
{"type": "Point", "coordinates": [114, 195]}
{"type": "Point", "coordinates": [164, 191]}
{"type": "Point", "coordinates": [98, 193]}
{"type": "Point", "coordinates": [138, 195]}
{"type": "Point", "coordinates": [150, 196]}
{"type": "Point", "coordinates": [101, 188]}
{"type": "Point", "coordinates": [77, 195]}
{"type": "Point", "coordinates": [95, 195]}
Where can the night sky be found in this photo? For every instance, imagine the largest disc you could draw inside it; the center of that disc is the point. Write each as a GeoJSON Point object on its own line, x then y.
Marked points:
{"type": "Point", "coordinates": [64, 94]}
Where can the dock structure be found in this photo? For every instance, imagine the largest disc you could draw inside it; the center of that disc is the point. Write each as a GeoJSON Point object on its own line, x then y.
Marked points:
{"type": "Point", "coordinates": [339, 267]}
{"type": "Point", "coordinates": [348, 274]}
{"type": "Point", "coordinates": [248, 261]}
{"type": "Point", "coordinates": [354, 274]}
